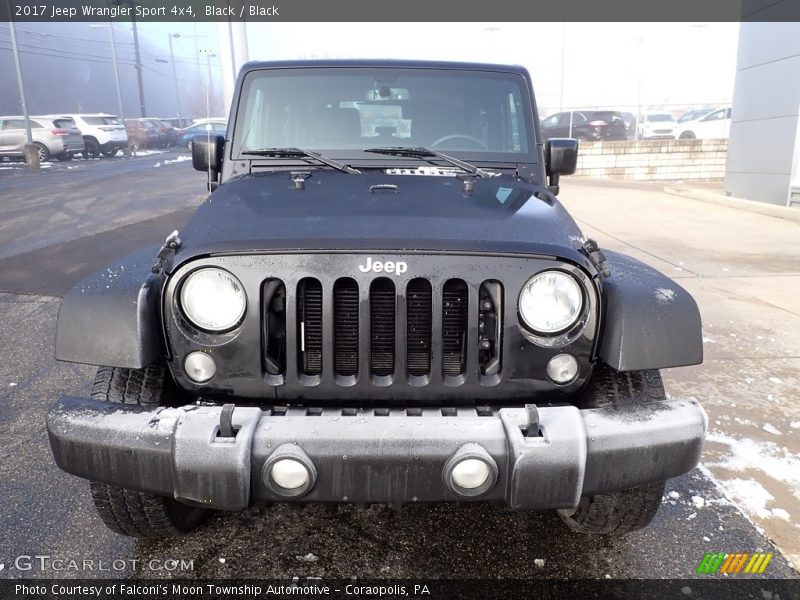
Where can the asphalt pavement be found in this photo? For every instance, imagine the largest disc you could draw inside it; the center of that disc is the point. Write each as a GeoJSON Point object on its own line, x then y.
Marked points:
{"type": "Point", "coordinates": [57, 226]}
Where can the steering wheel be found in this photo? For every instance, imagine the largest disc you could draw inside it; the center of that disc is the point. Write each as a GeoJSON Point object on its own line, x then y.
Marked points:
{"type": "Point", "coordinates": [454, 136]}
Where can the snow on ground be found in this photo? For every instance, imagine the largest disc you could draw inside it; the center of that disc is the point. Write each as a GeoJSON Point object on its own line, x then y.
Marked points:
{"type": "Point", "coordinates": [753, 498]}
{"type": "Point", "coordinates": [769, 458]}
{"type": "Point", "coordinates": [149, 152]}
{"type": "Point", "coordinates": [182, 158]}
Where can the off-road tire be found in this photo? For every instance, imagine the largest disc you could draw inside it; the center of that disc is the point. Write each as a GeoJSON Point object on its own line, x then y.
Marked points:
{"type": "Point", "coordinates": [129, 512]}
{"type": "Point", "coordinates": [65, 156]}
{"type": "Point", "coordinates": [619, 512]}
{"type": "Point", "coordinates": [110, 153]}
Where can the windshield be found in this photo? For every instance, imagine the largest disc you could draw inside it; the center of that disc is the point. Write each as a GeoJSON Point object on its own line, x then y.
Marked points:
{"type": "Point", "coordinates": [342, 111]}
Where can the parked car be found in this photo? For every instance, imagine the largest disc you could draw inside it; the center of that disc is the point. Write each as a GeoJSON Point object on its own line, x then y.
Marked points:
{"type": "Point", "coordinates": [178, 123]}
{"type": "Point", "coordinates": [371, 324]}
{"type": "Point", "coordinates": [657, 126]}
{"type": "Point", "coordinates": [141, 133]}
{"type": "Point", "coordinates": [630, 123]}
{"type": "Point", "coordinates": [185, 136]}
{"type": "Point", "coordinates": [167, 134]}
{"type": "Point", "coordinates": [53, 136]}
{"type": "Point", "coordinates": [597, 125]}
{"type": "Point", "coordinates": [103, 134]}
{"type": "Point", "coordinates": [715, 125]}
{"type": "Point", "coordinates": [210, 120]}
{"type": "Point", "coordinates": [693, 115]}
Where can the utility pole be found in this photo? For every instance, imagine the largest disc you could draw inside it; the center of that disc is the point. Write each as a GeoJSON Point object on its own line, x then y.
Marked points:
{"type": "Point", "coordinates": [175, 76]}
{"type": "Point", "coordinates": [120, 111]}
{"type": "Point", "coordinates": [31, 153]}
{"type": "Point", "coordinates": [142, 106]}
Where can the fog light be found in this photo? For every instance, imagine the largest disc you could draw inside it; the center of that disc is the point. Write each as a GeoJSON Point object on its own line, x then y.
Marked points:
{"type": "Point", "coordinates": [470, 473]}
{"type": "Point", "coordinates": [199, 366]}
{"type": "Point", "coordinates": [562, 368]}
{"type": "Point", "coordinates": [289, 474]}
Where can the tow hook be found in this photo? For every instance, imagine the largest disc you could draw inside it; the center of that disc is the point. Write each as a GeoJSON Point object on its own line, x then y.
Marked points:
{"type": "Point", "coordinates": [532, 428]}
{"type": "Point", "coordinates": [226, 429]}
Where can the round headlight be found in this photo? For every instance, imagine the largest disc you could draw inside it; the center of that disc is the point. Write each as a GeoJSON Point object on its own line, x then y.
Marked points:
{"type": "Point", "coordinates": [550, 302]}
{"type": "Point", "coordinates": [213, 299]}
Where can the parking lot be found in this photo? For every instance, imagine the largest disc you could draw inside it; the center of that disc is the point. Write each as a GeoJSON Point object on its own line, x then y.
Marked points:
{"type": "Point", "coordinates": [744, 269]}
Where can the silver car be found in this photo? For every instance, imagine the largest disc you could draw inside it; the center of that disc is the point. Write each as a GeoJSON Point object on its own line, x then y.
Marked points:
{"type": "Point", "coordinates": [56, 137]}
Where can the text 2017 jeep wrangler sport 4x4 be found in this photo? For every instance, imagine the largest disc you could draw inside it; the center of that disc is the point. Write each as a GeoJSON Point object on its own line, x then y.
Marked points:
{"type": "Point", "coordinates": [381, 301]}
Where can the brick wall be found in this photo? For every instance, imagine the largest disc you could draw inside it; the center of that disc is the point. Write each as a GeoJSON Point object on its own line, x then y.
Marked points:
{"type": "Point", "coordinates": [654, 160]}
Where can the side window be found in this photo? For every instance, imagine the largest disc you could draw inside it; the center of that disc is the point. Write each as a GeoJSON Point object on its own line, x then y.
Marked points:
{"type": "Point", "coordinates": [578, 118]}
{"type": "Point", "coordinates": [16, 124]}
{"type": "Point", "coordinates": [218, 127]}
{"type": "Point", "coordinates": [717, 114]}
{"type": "Point", "coordinates": [563, 119]}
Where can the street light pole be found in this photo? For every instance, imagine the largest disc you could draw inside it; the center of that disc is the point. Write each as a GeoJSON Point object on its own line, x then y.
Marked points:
{"type": "Point", "coordinates": [120, 111]}
{"type": "Point", "coordinates": [31, 155]}
{"type": "Point", "coordinates": [175, 76]}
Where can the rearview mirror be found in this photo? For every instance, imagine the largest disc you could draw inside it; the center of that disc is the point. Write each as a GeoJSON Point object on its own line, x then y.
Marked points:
{"type": "Point", "coordinates": [560, 158]}
{"type": "Point", "coordinates": [207, 155]}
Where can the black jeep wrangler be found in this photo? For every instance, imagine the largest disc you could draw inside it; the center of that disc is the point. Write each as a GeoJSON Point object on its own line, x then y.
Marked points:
{"type": "Point", "coordinates": [382, 301]}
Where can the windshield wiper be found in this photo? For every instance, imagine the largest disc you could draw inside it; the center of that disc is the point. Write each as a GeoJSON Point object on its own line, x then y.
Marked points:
{"type": "Point", "coordinates": [300, 153]}
{"type": "Point", "coordinates": [428, 153]}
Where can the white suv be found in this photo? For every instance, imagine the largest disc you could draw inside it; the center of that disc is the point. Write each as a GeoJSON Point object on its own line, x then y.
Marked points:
{"type": "Point", "coordinates": [102, 134]}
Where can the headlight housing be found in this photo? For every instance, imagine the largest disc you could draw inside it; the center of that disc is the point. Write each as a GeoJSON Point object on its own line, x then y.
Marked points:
{"type": "Point", "coordinates": [213, 299]}
{"type": "Point", "coordinates": [551, 302]}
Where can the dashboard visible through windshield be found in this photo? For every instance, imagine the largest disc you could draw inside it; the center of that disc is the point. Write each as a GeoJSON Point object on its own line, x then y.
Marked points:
{"type": "Point", "coordinates": [481, 115]}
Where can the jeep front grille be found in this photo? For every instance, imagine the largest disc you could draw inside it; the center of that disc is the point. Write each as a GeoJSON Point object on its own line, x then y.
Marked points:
{"type": "Point", "coordinates": [376, 330]}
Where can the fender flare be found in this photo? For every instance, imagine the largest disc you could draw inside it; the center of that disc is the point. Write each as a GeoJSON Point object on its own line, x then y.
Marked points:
{"type": "Point", "coordinates": [649, 321]}
{"type": "Point", "coordinates": [113, 317]}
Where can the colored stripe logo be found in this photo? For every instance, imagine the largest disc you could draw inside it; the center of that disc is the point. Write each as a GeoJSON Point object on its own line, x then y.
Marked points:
{"type": "Point", "coordinates": [734, 563]}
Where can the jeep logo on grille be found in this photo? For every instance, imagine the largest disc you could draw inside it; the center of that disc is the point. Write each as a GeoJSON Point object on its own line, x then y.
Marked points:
{"type": "Point", "coordinates": [390, 266]}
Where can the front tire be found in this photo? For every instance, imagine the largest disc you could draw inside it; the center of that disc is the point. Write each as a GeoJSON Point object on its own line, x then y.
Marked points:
{"type": "Point", "coordinates": [92, 148]}
{"type": "Point", "coordinates": [618, 513]}
{"type": "Point", "coordinates": [130, 512]}
{"type": "Point", "coordinates": [688, 135]}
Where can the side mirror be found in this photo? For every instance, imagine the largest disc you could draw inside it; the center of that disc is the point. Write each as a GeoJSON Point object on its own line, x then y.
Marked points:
{"type": "Point", "coordinates": [207, 155]}
{"type": "Point", "coordinates": [560, 158]}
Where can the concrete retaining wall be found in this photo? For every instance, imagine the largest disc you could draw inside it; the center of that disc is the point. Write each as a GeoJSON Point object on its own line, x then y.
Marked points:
{"type": "Point", "coordinates": [654, 160]}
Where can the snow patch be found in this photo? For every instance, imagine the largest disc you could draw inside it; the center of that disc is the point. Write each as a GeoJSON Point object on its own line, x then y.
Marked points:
{"type": "Point", "coordinates": [674, 495]}
{"type": "Point", "coordinates": [750, 496]}
{"type": "Point", "coordinates": [665, 295]}
{"type": "Point", "coordinates": [308, 557]}
{"type": "Point", "coordinates": [767, 457]}
{"type": "Point", "coordinates": [769, 428]}
{"type": "Point", "coordinates": [182, 158]}
{"type": "Point", "coordinates": [698, 501]}
{"type": "Point", "coordinates": [539, 562]}
{"type": "Point", "coordinates": [775, 380]}
{"type": "Point", "coordinates": [780, 513]}
{"type": "Point", "coordinates": [795, 424]}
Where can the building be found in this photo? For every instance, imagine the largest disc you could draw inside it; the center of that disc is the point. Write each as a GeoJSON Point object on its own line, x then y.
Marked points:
{"type": "Point", "coordinates": [764, 148]}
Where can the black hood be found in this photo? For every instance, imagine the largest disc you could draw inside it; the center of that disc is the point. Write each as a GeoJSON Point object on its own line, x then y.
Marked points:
{"type": "Point", "coordinates": [337, 211]}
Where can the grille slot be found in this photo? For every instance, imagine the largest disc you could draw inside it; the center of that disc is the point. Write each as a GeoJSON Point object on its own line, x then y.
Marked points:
{"type": "Point", "coordinates": [345, 333]}
{"type": "Point", "coordinates": [274, 323]}
{"type": "Point", "coordinates": [455, 303]}
{"type": "Point", "coordinates": [419, 304]}
{"type": "Point", "coordinates": [309, 325]}
{"type": "Point", "coordinates": [382, 317]}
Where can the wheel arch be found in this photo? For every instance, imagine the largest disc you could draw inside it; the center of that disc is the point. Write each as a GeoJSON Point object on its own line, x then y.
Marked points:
{"type": "Point", "coordinates": [113, 317]}
{"type": "Point", "coordinates": [649, 321]}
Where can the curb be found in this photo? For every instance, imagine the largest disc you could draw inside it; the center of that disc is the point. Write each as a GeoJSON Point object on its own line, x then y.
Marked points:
{"type": "Point", "coordinates": [771, 210]}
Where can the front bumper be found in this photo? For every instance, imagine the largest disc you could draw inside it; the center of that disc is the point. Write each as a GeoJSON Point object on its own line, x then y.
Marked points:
{"type": "Point", "coordinates": [378, 455]}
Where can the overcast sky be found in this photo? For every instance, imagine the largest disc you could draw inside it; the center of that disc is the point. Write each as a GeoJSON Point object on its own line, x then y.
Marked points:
{"type": "Point", "coordinates": [604, 64]}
